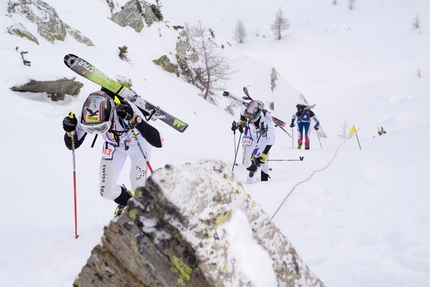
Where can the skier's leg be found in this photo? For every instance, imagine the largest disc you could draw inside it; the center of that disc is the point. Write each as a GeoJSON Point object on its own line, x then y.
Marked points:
{"type": "Point", "coordinates": [139, 169]}
{"type": "Point", "coordinates": [111, 164]}
{"type": "Point", "coordinates": [307, 140]}
{"type": "Point", "coordinates": [247, 148]}
{"type": "Point", "coordinates": [265, 169]}
{"type": "Point", "coordinates": [300, 135]}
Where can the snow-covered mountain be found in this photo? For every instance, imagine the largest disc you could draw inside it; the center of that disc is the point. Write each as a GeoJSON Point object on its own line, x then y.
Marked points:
{"type": "Point", "coordinates": [357, 217]}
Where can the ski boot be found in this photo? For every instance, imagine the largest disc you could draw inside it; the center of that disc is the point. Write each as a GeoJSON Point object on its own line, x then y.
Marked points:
{"type": "Point", "coordinates": [122, 200]}
{"type": "Point", "coordinates": [252, 170]}
{"type": "Point", "coordinates": [264, 176]}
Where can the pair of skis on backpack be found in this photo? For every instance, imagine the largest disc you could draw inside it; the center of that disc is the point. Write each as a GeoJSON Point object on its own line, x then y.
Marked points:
{"type": "Point", "coordinates": [278, 122]}
{"type": "Point", "coordinates": [88, 71]}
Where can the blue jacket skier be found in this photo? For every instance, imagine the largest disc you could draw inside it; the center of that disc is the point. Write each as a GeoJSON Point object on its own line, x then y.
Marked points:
{"type": "Point", "coordinates": [304, 115]}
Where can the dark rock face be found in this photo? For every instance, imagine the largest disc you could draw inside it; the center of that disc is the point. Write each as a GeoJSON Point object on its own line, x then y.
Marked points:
{"type": "Point", "coordinates": [55, 89]}
{"type": "Point", "coordinates": [175, 232]}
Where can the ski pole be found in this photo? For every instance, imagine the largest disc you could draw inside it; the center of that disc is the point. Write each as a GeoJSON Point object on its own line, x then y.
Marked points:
{"type": "Point", "coordinates": [284, 130]}
{"type": "Point", "coordinates": [292, 138]}
{"type": "Point", "coordinates": [299, 159]}
{"type": "Point", "coordinates": [237, 149]}
{"type": "Point", "coordinates": [140, 147]}
{"type": "Point", "coordinates": [318, 134]}
{"type": "Point", "coordinates": [233, 128]}
{"type": "Point", "coordinates": [75, 206]}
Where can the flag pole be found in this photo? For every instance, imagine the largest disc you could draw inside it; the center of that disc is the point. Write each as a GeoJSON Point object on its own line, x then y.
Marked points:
{"type": "Point", "coordinates": [354, 131]}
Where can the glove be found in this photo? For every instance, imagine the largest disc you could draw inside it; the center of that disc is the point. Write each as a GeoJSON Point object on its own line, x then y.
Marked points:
{"type": "Point", "coordinates": [292, 125]}
{"type": "Point", "coordinates": [124, 111]}
{"type": "Point", "coordinates": [234, 126]}
{"type": "Point", "coordinates": [240, 126]}
{"type": "Point", "coordinates": [70, 122]}
{"type": "Point", "coordinates": [316, 127]}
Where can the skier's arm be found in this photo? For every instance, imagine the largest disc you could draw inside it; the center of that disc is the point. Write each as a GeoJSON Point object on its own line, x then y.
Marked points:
{"type": "Point", "coordinates": [72, 125]}
{"type": "Point", "coordinates": [293, 119]}
{"type": "Point", "coordinates": [68, 140]}
{"type": "Point", "coordinates": [317, 122]}
{"type": "Point", "coordinates": [148, 132]}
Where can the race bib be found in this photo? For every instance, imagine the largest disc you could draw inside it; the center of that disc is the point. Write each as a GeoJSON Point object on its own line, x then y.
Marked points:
{"type": "Point", "coordinates": [247, 141]}
{"type": "Point", "coordinates": [108, 151]}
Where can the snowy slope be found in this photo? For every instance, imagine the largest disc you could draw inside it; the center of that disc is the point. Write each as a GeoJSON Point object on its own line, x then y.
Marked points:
{"type": "Point", "coordinates": [357, 217]}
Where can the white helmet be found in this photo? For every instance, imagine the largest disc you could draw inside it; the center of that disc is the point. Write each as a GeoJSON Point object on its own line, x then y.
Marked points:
{"type": "Point", "coordinates": [97, 113]}
{"type": "Point", "coordinates": [253, 111]}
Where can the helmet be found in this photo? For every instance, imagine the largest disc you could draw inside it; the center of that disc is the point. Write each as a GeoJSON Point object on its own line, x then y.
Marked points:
{"type": "Point", "coordinates": [253, 111]}
{"type": "Point", "coordinates": [301, 106]}
{"type": "Point", "coordinates": [97, 113]}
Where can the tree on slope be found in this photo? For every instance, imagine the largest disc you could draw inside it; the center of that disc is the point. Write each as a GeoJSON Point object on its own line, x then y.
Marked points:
{"type": "Point", "coordinates": [240, 32]}
{"type": "Point", "coordinates": [280, 24]}
{"type": "Point", "coordinates": [212, 69]}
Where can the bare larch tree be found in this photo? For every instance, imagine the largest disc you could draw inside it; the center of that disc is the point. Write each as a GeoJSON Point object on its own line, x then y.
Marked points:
{"type": "Point", "coordinates": [240, 32]}
{"type": "Point", "coordinates": [280, 24]}
{"type": "Point", "coordinates": [212, 69]}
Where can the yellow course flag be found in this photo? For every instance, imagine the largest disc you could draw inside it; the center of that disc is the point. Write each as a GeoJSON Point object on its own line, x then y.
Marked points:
{"type": "Point", "coordinates": [352, 131]}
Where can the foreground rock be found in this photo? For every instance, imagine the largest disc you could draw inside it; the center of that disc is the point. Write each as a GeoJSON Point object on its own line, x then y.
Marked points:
{"type": "Point", "coordinates": [182, 230]}
{"type": "Point", "coordinates": [55, 89]}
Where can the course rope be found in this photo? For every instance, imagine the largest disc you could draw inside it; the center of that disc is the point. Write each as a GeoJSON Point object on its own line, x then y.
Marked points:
{"type": "Point", "coordinates": [303, 181]}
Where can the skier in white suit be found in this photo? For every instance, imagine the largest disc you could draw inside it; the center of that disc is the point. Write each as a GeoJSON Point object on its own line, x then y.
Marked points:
{"type": "Point", "coordinates": [118, 121]}
{"type": "Point", "coordinates": [262, 131]}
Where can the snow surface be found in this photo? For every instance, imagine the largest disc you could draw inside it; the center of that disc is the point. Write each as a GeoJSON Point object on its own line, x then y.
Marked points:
{"type": "Point", "coordinates": [357, 217]}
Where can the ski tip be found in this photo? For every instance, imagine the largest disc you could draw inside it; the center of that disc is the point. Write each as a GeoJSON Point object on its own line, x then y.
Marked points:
{"type": "Point", "coordinates": [69, 59]}
{"type": "Point", "coordinates": [245, 90]}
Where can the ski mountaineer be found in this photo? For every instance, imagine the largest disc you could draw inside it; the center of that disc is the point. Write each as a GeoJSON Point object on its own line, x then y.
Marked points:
{"type": "Point", "coordinates": [126, 133]}
{"type": "Point", "coordinates": [262, 128]}
{"type": "Point", "coordinates": [304, 115]}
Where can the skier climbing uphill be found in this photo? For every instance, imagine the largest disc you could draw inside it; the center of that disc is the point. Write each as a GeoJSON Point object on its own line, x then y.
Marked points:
{"type": "Point", "coordinates": [304, 116]}
{"type": "Point", "coordinates": [263, 129]}
{"type": "Point", "coordinates": [126, 133]}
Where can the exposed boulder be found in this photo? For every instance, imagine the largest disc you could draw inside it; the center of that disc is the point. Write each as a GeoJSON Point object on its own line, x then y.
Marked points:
{"type": "Point", "coordinates": [20, 31]}
{"type": "Point", "coordinates": [164, 62]}
{"type": "Point", "coordinates": [55, 89]}
{"type": "Point", "coordinates": [273, 79]}
{"type": "Point", "coordinates": [186, 57]}
{"type": "Point", "coordinates": [148, 14]}
{"type": "Point", "coordinates": [175, 232]}
{"type": "Point", "coordinates": [49, 24]}
{"type": "Point", "coordinates": [135, 14]}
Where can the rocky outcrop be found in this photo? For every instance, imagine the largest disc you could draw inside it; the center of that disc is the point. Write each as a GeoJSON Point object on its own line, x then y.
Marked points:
{"type": "Point", "coordinates": [273, 79]}
{"type": "Point", "coordinates": [164, 62]}
{"type": "Point", "coordinates": [49, 25]}
{"type": "Point", "coordinates": [55, 89]}
{"type": "Point", "coordinates": [186, 57]}
{"type": "Point", "coordinates": [20, 31]}
{"type": "Point", "coordinates": [177, 230]}
{"type": "Point", "coordinates": [135, 14]}
{"type": "Point", "coordinates": [130, 15]}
